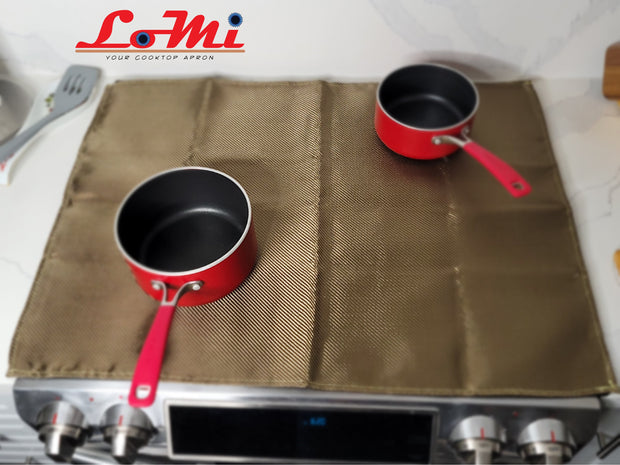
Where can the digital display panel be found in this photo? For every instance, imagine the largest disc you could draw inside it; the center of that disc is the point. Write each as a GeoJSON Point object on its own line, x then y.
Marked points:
{"type": "Point", "coordinates": [301, 433]}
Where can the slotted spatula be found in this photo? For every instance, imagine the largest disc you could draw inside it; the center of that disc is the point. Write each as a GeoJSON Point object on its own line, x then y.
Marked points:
{"type": "Point", "coordinates": [74, 89]}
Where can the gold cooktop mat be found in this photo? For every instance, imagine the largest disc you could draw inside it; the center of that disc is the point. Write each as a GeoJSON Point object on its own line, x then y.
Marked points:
{"type": "Point", "coordinates": [375, 273]}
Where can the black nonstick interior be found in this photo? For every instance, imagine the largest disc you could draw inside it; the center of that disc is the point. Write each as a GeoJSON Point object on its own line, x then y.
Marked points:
{"type": "Point", "coordinates": [428, 96]}
{"type": "Point", "coordinates": [190, 239]}
{"type": "Point", "coordinates": [182, 220]}
{"type": "Point", "coordinates": [426, 111]}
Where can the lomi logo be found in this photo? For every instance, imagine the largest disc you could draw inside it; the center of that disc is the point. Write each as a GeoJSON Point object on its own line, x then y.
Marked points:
{"type": "Point", "coordinates": [143, 39]}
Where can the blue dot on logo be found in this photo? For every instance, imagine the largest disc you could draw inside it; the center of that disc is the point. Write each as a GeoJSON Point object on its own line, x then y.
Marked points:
{"type": "Point", "coordinates": [143, 38]}
{"type": "Point", "coordinates": [235, 19]}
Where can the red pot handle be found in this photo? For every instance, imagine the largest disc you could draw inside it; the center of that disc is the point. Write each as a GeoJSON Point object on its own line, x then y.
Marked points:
{"type": "Point", "coordinates": [148, 368]}
{"type": "Point", "coordinates": [146, 375]}
{"type": "Point", "coordinates": [512, 181]}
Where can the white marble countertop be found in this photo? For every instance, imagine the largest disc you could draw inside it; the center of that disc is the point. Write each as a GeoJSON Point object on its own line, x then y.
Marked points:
{"type": "Point", "coordinates": [585, 135]}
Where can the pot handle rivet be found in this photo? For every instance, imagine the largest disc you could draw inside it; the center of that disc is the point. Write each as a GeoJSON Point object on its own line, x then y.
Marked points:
{"type": "Point", "coordinates": [186, 287]}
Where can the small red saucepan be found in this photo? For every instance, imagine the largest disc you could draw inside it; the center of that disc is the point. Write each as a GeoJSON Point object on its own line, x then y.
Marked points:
{"type": "Point", "coordinates": [425, 111]}
{"type": "Point", "coordinates": [188, 237]}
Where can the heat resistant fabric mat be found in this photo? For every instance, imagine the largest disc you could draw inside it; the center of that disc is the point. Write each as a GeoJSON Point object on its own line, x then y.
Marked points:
{"type": "Point", "coordinates": [375, 273]}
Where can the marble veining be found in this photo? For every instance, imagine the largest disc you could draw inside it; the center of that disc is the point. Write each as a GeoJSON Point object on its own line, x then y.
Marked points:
{"type": "Point", "coordinates": [17, 266]}
{"type": "Point", "coordinates": [519, 34]}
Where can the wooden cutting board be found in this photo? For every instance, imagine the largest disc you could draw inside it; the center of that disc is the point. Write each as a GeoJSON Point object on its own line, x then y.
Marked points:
{"type": "Point", "coordinates": [611, 74]}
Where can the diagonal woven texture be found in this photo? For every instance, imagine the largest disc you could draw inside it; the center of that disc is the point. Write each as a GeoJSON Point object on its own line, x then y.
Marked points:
{"type": "Point", "coordinates": [375, 272]}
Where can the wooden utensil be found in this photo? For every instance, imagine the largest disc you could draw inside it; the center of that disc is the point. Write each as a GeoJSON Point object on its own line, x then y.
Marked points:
{"type": "Point", "coordinates": [611, 74]}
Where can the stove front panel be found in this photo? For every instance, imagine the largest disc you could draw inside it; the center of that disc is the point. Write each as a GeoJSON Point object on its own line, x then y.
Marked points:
{"type": "Point", "coordinates": [207, 423]}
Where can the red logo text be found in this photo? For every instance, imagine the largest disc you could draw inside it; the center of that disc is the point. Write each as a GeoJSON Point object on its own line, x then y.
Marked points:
{"type": "Point", "coordinates": [183, 33]}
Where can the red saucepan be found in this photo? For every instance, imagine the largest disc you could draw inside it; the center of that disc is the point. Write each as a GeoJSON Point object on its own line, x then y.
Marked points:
{"type": "Point", "coordinates": [188, 237]}
{"type": "Point", "coordinates": [425, 111]}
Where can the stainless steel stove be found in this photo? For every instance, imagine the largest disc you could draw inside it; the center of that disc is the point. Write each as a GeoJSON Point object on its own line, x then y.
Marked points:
{"type": "Point", "coordinates": [90, 421]}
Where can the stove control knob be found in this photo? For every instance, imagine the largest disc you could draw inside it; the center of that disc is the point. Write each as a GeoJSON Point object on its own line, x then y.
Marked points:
{"type": "Point", "coordinates": [62, 428]}
{"type": "Point", "coordinates": [478, 439]}
{"type": "Point", "coordinates": [546, 441]}
{"type": "Point", "coordinates": [126, 429]}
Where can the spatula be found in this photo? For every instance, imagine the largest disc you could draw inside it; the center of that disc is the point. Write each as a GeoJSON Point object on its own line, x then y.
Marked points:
{"type": "Point", "coordinates": [75, 87]}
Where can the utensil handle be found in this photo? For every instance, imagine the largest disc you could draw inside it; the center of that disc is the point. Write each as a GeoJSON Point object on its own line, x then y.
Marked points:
{"type": "Point", "coordinates": [13, 145]}
{"type": "Point", "coordinates": [146, 375]}
{"type": "Point", "coordinates": [512, 181]}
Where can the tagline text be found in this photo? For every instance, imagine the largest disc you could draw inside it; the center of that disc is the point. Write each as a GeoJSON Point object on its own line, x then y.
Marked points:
{"type": "Point", "coordinates": [159, 57]}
